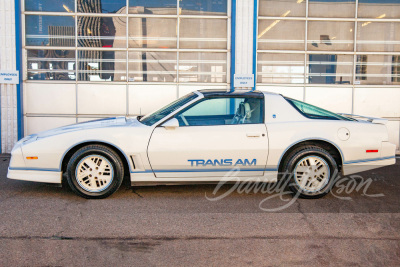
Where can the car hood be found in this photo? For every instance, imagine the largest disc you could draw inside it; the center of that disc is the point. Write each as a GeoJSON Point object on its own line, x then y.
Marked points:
{"type": "Point", "coordinates": [102, 123]}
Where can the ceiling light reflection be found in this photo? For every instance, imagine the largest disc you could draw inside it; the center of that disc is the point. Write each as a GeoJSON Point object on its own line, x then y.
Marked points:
{"type": "Point", "coordinates": [272, 24]}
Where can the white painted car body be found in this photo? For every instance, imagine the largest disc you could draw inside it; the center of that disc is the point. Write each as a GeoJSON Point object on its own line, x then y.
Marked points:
{"type": "Point", "coordinates": [158, 154]}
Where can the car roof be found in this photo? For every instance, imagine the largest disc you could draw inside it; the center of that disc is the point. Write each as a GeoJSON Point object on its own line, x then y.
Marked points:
{"type": "Point", "coordinates": [226, 92]}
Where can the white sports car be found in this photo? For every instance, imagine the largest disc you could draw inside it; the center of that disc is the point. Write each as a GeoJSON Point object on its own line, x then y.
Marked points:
{"type": "Point", "coordinates": [207, 136]}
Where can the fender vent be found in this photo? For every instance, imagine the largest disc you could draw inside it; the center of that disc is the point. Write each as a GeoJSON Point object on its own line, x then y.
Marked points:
{"type": "Point", "coordinates": [133, 163]}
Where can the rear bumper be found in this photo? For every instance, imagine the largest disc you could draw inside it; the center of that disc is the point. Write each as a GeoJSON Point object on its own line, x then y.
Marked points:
{"type": "Point", "coordinates": [388, 157]}
{"type": "Point", "coordinates": [360, 166]}
{"type": "Point", "coordinates": [33, 175]}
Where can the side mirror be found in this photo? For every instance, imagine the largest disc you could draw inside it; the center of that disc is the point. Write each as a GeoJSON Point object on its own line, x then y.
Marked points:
{"type": "Point", "coordinates": [171, 124]}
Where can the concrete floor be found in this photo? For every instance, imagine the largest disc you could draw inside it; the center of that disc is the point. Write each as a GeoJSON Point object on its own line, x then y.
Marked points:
{"type": "Point", "coordinates": [42, 225]}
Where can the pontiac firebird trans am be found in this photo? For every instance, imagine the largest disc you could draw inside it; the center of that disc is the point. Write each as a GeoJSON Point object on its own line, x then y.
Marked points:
{"type": "Point", "coordinates": [208, 136]}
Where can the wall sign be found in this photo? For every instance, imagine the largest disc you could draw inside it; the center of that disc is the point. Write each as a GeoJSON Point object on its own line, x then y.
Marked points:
{"type": "Point", "coordinates": [9, 76]}
{"type": "Point", "coordinates": [243, 80]}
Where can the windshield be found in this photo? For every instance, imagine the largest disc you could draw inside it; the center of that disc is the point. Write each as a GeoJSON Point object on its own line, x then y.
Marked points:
{"type": "Point", "coordinates": [314, 112]}
{"type": "Point", "coordinates": [152, 118]}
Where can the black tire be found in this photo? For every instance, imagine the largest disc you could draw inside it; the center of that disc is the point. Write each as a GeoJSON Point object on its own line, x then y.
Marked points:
{"type": "Point", "coordinates": [300, 154]}
{"type": "Point", "coordinates": [101, 151]}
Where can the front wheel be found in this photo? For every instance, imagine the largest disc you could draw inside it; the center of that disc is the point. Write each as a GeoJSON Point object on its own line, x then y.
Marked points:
{"type": "Point", "coordinates": [95, 171]}
{"type": "Point", "coordinates": [310, 170]}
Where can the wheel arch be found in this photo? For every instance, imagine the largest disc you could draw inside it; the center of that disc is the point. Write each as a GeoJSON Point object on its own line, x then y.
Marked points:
{"type": "Point", "coordinates": [68, 154]}
{"type": "Point", "coordinates": [332, 148]}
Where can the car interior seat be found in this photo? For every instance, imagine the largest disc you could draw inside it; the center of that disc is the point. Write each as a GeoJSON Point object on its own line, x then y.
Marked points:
{"type": "Point", "coordinates": [243, 113]}
{"type": "Point", "coordinates": [255, 110]}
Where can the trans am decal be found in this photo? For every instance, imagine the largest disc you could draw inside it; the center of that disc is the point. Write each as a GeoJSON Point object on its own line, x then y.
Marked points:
{"type": "Point", "coordinates": [221, 162]}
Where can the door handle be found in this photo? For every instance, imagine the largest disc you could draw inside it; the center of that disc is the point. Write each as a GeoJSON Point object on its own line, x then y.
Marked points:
{"type": "Point", "coordinates": [253, 134]}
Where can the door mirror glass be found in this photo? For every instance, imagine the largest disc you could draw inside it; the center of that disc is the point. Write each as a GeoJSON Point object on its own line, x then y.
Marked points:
{"type": "Point", "coordinates": [171, 124]}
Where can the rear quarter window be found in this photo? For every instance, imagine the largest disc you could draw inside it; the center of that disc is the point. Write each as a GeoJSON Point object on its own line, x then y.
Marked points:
{"type": "Point", "coordinates": [313, 112]}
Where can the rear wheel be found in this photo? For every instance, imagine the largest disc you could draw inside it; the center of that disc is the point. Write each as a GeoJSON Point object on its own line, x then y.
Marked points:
{"type": "Point", "coordinates": [310, 171]}
{"type": "Point", "coordinates": [95, 171]}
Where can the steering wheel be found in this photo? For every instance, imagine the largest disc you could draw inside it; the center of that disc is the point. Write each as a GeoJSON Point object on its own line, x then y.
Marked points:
{"type": "Point", "coordinates": [239, 115]}
{"type": "Point", "coordinates": [237, 119]}
{"type": "Point", "coordinates": [184, 120]}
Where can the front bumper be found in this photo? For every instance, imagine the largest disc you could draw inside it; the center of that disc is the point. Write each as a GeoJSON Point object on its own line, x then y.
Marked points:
{"type": "Point", "coordinates": [35, 175]}
{"type": "Point", "coordinates": [19, 170]}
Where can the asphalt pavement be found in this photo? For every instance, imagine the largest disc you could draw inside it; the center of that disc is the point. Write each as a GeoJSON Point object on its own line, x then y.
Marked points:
{"type": "Point", "coordinates": [357, 224]}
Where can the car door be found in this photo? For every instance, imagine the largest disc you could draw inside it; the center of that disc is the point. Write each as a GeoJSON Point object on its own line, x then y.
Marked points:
{"type": "Point", "coordinates": [215, 136]}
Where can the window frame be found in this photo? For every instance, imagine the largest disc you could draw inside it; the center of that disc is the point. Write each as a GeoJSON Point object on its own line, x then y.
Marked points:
{"type": "Point", "coordinates": [355, 51]}
{"type": "Point", "coordinates": [126, 15]}
{"type": "Point", "coordinates": [395, 69]}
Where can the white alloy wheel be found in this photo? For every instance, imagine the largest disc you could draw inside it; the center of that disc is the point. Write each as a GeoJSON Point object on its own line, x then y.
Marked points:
{"type": "Point", "coordinates": [94, 173]}
{"type": "Point", "coordinates": [312, 173]}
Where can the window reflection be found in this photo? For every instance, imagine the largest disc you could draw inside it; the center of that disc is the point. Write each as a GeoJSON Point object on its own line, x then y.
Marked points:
{"type": "Point", "coordinates": [152, 32]}
{"type": "Point", "coordinates": [330, 36]}
{"type": "Point", "coordinates": [203, 7]}
{"type": "Point", "coordinates": [330, 69]}
{"type": "Point", "coordinates": [281, 35]}
{"type": "Point", "coordinates": [186, 7]}
{"type": "Point", "coordinates": [49, 30]}
{"type": "Point", "coordinates": [379, 9]}
{"type": "Point", "coordinates": [102, 65]}
{"type": "Point", "coordinates": [164, 7]}
{"type": "Point", "coordinates": [280, 68]}
{"type": "Point", "coordinates": [331, 8]}
{"type": "Point", "coordinates": [203, 33]}
{"type": "Point", "coordinates": [101, 31]}
{"type": "Point", "coordinates": [285, 8]}
{"type": "Point", "coordinates": [50, 5]}
{"type": "Point", "coordinates": [101, 6]}
{"type": "Point", "coordinates": [396, 69]}
{"type": "Point", "coordinates": [378, 36]}
{"type": "Point", "coordinates": [109, 49]}
{"type": "Point", "coordinates": [152, 67]}
{"type": "Point", "coordinates": [51, 64]}
{"type": "Point", "coordinates": [202, 67]}
{"type": "Point", "coordinates": [378, 69]}
{"type": "Point", "coordinates": [282, 8]}
{"type": "Point", "coordinates": [336, 33]}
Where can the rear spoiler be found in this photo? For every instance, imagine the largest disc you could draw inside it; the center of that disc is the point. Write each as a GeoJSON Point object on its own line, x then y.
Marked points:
{"type": "Point", "coordinates": [365, 118]}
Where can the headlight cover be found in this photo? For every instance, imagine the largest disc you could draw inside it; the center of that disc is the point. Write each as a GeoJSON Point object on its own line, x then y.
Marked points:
{"type": "Point", "coordinates": [29, 139]}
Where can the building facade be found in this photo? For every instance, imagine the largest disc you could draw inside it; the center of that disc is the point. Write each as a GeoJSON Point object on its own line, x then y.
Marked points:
{"type": "Point", "coordinates": [85, 59]}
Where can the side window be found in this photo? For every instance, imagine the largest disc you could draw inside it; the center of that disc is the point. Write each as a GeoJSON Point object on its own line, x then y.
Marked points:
{"type": "Point", "coordinates": [314, 112]}
{"type": "Point", "coordinates": [223, 111]}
